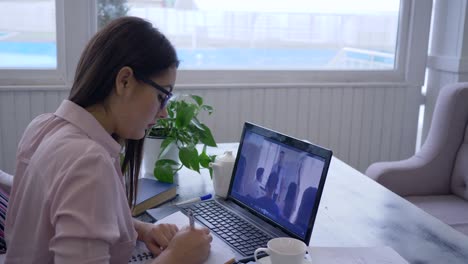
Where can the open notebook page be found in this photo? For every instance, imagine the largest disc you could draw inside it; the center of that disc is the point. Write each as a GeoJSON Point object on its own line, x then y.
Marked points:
{"type": "Point", "coordinates": [220, 252]}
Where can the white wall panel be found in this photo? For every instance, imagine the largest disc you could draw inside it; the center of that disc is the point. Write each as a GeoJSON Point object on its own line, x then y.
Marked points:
{"type": "Point", "coordinates": [304, 110]}
{"type": "Point", "coordinates": [314, 115]}
{"type": "Point", "coordinates": [323, 122]}
{"type": "Point", "coordinates": [366, 128]}
{"type": "Point", "coordinates": [258, 101]}
{"type": "Point", "coordinates": [346, 123]}
{"type": "Point", "coordinates": [361, 124]}
{"type": "Point", "coordinates": [376, 124]}
{"type": "Point", "coordinates": [356, 126]}
{"type": "Point", "coordinates": [37, 103]}
{"type": "Point", "coordinates": [387, 111]}
{"type": "Point", "coordinates": [269, 106]}
{"type": "Point", "coordinates": [22, 112]}
{"type": "Point", "coordinates": [335, 120]}
{"type": "Point", "coordinates": [397, 124]}
{"type": "Point", "coordinates": [288, 110]}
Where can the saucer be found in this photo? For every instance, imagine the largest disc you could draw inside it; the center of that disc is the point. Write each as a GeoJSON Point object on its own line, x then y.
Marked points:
{"type": "Point", "coordinates": [266, 260]}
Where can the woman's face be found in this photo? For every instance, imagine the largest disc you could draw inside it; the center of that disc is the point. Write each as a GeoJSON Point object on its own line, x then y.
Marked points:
{"type": "Point", "coordinates": [142, 106]}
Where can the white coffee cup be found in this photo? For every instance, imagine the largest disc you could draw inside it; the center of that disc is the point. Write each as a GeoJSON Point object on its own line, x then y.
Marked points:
{"type": "Point", "coordinates": [284, 250]}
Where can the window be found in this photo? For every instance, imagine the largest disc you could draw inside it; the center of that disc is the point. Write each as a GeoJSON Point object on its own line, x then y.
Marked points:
{"type": "Point", "coordinates": [224, 43]}
{"type": "Point", "coordinates": [28, 34]}
{"type": "Point", "coordinates": [272, 35]}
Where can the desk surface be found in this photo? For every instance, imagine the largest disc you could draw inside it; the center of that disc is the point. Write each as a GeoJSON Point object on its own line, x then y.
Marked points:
{"type": "Point", "coordinates": [356, 211]}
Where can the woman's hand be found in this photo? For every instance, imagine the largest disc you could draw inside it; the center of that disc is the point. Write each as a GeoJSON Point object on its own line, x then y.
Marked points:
{"type": "Point", "coordinates": [155, 236]}
{"type": "Point", "coordinates": [189, 246]}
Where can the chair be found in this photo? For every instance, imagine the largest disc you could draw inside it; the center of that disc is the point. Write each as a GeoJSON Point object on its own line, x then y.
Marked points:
{"type": "Point", "coordinates": [6, 181]}
{"type": "Point", "coordinates": [435, 179]}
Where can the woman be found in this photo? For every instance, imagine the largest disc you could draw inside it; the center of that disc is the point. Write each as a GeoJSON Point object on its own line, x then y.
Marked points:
{"type": "Point", "coordinates": [71, 196]}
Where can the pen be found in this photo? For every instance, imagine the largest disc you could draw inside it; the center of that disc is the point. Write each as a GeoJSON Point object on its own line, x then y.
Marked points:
{"type": "Point", "coordinates": [191, 218]}
{"type": "Point", "coordinates": [197, 199]}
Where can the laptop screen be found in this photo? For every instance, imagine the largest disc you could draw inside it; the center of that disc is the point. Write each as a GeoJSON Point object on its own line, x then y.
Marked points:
{"type": "Point", "coordinates": [278, 179]}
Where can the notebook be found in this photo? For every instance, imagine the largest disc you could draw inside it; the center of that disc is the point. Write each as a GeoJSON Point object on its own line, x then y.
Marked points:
{"type": "Point", "coordinates": [219, 253]}
{"type": "Point", "coordinates": [275, 191]}
{"type": "Point", "coordinates": [141, 254]}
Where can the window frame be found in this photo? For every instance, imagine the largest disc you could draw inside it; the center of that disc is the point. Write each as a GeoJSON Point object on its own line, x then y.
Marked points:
{"type": "Point", "coordinates": [81, 24]}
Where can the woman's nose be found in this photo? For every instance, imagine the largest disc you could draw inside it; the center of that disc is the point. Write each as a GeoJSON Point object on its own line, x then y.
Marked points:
{"type": "Point", "coordinates": [162, 113]}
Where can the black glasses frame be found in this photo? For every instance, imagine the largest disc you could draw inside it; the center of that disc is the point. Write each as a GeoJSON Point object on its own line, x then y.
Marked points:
{"type": "Point", "coordinates": [157, 87]}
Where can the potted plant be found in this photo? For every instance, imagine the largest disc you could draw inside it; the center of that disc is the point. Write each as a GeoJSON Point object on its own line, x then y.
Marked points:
{"type": "Point", "coordinates": [180, 132]}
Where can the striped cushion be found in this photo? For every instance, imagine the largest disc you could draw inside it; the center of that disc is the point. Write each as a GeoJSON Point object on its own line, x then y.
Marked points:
{"type": "Point", "coordinates": [3, 208]}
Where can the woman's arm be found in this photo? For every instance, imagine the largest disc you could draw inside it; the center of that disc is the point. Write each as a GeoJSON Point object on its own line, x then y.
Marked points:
{"type": "Point", "coordinates": [140, 228]}
{"type": "Point", "coordinates": [82, 212]}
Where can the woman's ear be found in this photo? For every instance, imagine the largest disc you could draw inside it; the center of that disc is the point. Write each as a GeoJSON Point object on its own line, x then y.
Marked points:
{"type": "Point", "coordinates": [123, 79]}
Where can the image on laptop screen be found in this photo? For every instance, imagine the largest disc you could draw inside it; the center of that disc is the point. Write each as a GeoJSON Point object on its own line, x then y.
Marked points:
{"type": "Point", "coordinates": [277, 181]}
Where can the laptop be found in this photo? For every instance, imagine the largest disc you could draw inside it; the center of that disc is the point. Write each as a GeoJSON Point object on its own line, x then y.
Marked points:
{"type": "Point", "coordinates": [275, 191]}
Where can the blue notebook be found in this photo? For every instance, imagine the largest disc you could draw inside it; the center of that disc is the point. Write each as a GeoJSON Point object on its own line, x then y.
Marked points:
{"type": "Point", "coordinates": [152, 193]}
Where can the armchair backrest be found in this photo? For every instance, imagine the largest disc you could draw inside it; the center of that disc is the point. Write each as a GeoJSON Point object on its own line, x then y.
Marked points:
{"type": "Point", "coordinates": [6, 181]}
{"type": "Point", "coordinates": [460, 170]}
{"type": "Point", "coordinates": [443, 146]}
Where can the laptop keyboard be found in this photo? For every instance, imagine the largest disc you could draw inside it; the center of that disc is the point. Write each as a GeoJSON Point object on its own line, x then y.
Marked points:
{"type": "Point", "coordinates": [234, 230]}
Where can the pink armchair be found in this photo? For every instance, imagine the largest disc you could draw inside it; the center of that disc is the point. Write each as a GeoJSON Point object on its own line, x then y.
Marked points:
{"type": "Point", "coordinates": [435, 178]}
{"type": "Point", "coordinates": [6, 181]}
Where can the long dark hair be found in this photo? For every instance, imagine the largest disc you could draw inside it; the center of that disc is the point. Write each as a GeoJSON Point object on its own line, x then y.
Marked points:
{"type": "Point", "coordinates": [308, 199]}
{"type": "Point", "coordinates": [289, 200]}
{"type": "Point", "coordinates": [127, 41]}
{"type": "Point", "coordinates": [272, 182]}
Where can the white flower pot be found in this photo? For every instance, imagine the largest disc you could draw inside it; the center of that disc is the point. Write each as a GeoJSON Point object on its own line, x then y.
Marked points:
{"type": "Point", "coordinates": [151, 151]}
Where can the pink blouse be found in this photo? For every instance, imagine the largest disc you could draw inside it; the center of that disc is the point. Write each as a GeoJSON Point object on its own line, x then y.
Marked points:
{"type": "Point", "coordinates": [68, 202]}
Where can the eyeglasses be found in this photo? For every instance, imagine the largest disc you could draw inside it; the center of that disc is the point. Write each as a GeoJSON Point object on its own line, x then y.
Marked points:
{"type": "Point", "coordinates": [162, 100]}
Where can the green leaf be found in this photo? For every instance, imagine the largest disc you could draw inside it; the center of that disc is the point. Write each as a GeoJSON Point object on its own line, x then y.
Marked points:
{"type": "Point", "coordinates": [207, 108]}
{"type": "Point", "coordinates": [206, 137]}
{"type": "Point", "coordinates": [204, 160]}
{"type": "Point", "coordinates": [171, 109]}
{"type": "Point", "coordinates": [197, 123]}
{"type": "Point", "coordinates": [197, 99]}
{"type": "Point", "coordinates": [165, 170]}
{"type": "Point", "coordinates": [185, 115]}
{"type": "Point", "coordinates": [189, 158]}
{"type": "Point", "coordinates": [164, 146]}
{"type": "Point", "coordinates": [213, 158]}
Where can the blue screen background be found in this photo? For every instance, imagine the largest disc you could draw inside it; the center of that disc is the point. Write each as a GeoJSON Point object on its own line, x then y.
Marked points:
{"type": "Point", "coordinates": [277, 181]}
